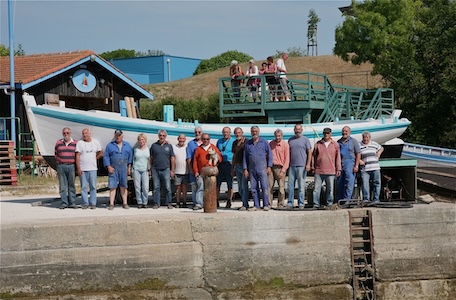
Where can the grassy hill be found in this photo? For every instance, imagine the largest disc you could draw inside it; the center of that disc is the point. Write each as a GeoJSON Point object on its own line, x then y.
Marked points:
{"type": "Point", "coordinates": [204, 85]}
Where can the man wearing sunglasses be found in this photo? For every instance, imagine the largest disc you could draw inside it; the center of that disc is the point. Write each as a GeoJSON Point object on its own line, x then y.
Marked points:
{"type": "Point", "coordinates": [65, 156]}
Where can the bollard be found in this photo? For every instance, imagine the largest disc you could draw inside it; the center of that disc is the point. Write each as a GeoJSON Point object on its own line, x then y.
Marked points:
{"type": "Point", "coordinates": [210, 188]}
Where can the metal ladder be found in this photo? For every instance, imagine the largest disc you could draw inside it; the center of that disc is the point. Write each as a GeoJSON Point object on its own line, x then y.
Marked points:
{"type": "Point", "coordinates": [362, 254]}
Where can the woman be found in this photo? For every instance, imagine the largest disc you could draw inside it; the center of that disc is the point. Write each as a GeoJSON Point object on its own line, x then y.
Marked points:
{"type": "Point", "coordinates": [270, 72]}
{"type": "Point", "coordinates": [235, 73]}
{"type": "Point", "coordinates": [252, 83]}
{"type": "Point", "coordinates": [141, 170]}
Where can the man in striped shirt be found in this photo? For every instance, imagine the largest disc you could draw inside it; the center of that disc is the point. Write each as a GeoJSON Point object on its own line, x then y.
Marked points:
{"type": "Point", "coordinates": [65, 157]}
{"type": "Point", "coordinates": [370, 167]}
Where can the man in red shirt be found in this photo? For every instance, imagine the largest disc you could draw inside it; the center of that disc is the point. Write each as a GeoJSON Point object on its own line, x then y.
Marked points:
{"type": "Point", "coordinates": [65, 154]}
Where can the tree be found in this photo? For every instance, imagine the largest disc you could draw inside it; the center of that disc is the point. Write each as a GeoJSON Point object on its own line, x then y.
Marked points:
{"type": "Point", "coordinates": [129, 53]}
{"type": "Point", "coordinates": [221, 61]}
{"type": "Point", "coordinates": [292, 52]}
{"type": "Point", "coordinates": [312, 23]}
{"type": "Point", "coordinates": [412, 45]}
{"type": "Point", "coordinates": [4, 51]}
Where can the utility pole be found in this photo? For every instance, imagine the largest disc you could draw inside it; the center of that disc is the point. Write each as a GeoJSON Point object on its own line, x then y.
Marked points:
{"type": "Point", "coordinates": [312, 23]}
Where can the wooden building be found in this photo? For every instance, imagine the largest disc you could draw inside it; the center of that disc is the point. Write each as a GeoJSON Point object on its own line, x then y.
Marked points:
{"type": "Point", "coordinates": [79, 79]}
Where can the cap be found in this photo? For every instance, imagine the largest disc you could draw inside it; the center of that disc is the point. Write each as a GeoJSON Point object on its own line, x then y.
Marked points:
{"type": "Point", "coordinates": [234, 62]}
{"type": "Point", "coordinates": [251, 61]}
{"type": "Point", "coordinates": [327, 130]}
{"type": "Point", "coordinates": [118, 132]}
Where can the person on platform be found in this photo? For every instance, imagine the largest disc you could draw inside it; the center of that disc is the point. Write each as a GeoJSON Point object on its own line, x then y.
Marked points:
{"type": "Point", "coordinates": [281, 161]}
{"type": "Point", "coordinates": [65, 157]}
{"type": "Point", "coordinates": [163, 162]}
{"type": "Point", "coordinates": [237, 168]}
{"type": "Point", "coordinates": [118, 158]}
{"type": "Point", "coordinates": [300, 160]}
{"type": "Point", "coordinates": [141, 171]}
{"type": "Point", "coordinates": [283, 80]}
{"type": "Point", "coordinates": [370, 167]}
{"type": "Point", "coordinates": [252, 82]}
{"type": "Point", "coordinates": [181, 178]}
{"type": "Point", "coordinates": [197, 195]}
{"type": "Point", "coordinates": [201, 160]}
{"type": "Point", "coordinates": [225, 145]}
{"type": "Point", "coordinates": [236, 79]}
{"type": "Point", "coordinates": [350, 156]}
{"type": "Point", "coordinates": [257, 166]}
{"type": "Point", "coordinates": [326, 164]}
{"type": "Point", "coordinates": [88, 151]}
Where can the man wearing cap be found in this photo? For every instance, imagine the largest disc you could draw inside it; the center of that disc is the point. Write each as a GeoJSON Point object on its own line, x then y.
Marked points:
{"type": "Point", "coordinates": [326, 164]}
{"type": "Point", "coordinates": [350, 154]}
{"type": "Point", "coordinates": [118, 158]}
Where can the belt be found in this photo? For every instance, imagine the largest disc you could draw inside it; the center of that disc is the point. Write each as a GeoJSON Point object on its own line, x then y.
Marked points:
{"type": "Point", "coordinates": [66, 163]}
{"type": "Point", "coordinates": [277, 166]}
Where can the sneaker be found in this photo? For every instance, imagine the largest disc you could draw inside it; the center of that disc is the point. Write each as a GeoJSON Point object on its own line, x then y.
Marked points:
{"type": "Point", "coordinates": [85, 206]}
{"type": "Point", "coordinates": [316, 207]}
{"type": "Point", "coordinates": [288, 99]}
{"type": "Point", "coordinates": [144, 206]}
{"type": "Point", "coordinates": [170, 206]}
{"type": "Point", "coordinates": [197, 207]}
{"type": "Point", "coordinates": [242, 208]}
{"type": "Point", "coordinates": [140, 206]}
{"type": "Point", "coordinates": [72, 206]}
{"type": "Point", "coordinates": [63, 206]}
{"type": "Point", "coordinates": [111, 207]}
{"type": "Point", "coordinates": [301, 206]}
{"type": "Point", "coordinates": [266, 208]}
{"type": "Point", "coordinates": [253, 209]}
{"type": "Point", "coordinates": [93, 206]}
{"type": "Point", "coordinates": [155, 206]}
{"type": "Point", "coordinates": [125, 206]}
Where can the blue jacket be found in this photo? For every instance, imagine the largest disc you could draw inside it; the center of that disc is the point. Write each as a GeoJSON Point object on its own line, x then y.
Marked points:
{"type": "Point", "coordinates": [115, 158]}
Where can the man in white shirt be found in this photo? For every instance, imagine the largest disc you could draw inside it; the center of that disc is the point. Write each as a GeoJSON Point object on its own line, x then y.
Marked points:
{"type": "Point", "coordinates": [87, 153]}
{"type": "Point", "coordinates": [283, 80]}
{"type": "Point", "coordinates": [181, 177]}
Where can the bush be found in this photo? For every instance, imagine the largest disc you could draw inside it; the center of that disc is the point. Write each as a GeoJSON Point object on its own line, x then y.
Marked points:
{"type": "Point", "coordinates": [221, 61]}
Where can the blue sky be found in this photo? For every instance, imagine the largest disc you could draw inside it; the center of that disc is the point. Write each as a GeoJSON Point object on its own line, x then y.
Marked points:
{"type": "Point", "coordinates": [197, 29]}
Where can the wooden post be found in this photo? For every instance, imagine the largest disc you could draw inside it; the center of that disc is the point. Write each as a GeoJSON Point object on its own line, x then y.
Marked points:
{"type": "Point", "coordinates": [133, 107]}
{"type": "Point", "coordinates": [210, 188]}
{"type": "Point", "coordinates": [128, 106]}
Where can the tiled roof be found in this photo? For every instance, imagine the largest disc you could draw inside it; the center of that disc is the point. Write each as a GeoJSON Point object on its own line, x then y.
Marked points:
{"type": "Point", "coordinates": [28, 68]}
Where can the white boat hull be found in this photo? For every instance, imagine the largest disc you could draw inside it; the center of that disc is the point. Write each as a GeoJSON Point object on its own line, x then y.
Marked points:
{"type": "Point", "coordinates": [47, 123]}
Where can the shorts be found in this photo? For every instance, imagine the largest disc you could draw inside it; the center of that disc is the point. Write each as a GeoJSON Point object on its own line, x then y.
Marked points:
{"type": "Point", "coordinates": [225, 175]}
{"type": "Point", "coordinates": [181, 179]}
{"type": "Point", "coordinates": [119, 177]}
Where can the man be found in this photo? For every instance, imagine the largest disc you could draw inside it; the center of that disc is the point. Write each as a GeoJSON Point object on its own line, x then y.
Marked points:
{"type": "Point", "coordinates": [370, 167]}
{"type": "Point", "coordinates": [237, 168]}
{"type": "Point", "coordinates": [118, 158]}
{"type": "Point", "coordinates": [181, 171]}
{"type": "Point", "coordinates": [163, 163]}
{"type": "Point", "coordinates": [300, 159]}
{"type": "Point", "coordinates": [225, 145]}
{"type": "Point", "coordinates": [87, 153]}
{"type": "Point", "coordinates": [326, 164]}
{"type": "Point", "coordinates": [280, 163]}
{"type": "Point", "coordinates": [283, 80]}
{"type": "Point", "coordinates": [201, 160]}
{"type": "Point", "coordinates": [350, 156]}
{"type": "Point", "coordinates": [64, 152]}
{"type": "Point", "coordinates": [257, 166]}
{"type": "Point", "coordinates": [197, 196]}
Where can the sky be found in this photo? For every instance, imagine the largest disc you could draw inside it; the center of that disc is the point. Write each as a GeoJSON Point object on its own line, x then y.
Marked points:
{"type": "Point", "coordinates": [194, 29]}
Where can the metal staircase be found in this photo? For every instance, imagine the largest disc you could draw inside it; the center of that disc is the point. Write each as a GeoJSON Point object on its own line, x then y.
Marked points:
{"type": "Point", "coordinates": [362, 254]}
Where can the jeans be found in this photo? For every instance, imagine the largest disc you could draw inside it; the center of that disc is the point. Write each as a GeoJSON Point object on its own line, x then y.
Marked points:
{"type": "Point", "coordinates": [141, 181]}
{"type": "Point", "coordinates": [262, 178]}
{"type": "Point", "coordinates": [329, 180]}
{"type": "Point", "coordinates": [243, 185]}
{"type": "Point", "coordinates": [299, 174]}
{"type": "Point", "coordinates": [158, 177]}
{"type": "Point", "coordinates": [346, 180]}
{"type": "Point", "coordinates": [67, 189]}
{"type": "Point", "coordinates": [198, 191]}
{"type": "Point", "coordinates": [89, 180]}
{"type": "Point", "coordinates": [375, 177]}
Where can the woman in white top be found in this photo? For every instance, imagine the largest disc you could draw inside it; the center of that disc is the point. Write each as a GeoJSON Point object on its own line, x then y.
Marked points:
{"type": "Point", "coordinates": [252, 83]}
{"type": "Point", "coordinates": [141, 167]}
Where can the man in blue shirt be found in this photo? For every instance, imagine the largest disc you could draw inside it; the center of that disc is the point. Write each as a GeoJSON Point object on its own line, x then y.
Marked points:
{"type": "Point", "coordinates": [163, 161]}
{"type": "Point", "coordinates": [350, 154]}
{"type": "Point", "coordinates": [118, 158]}
{"type": "Point", "coordinates": [257, 166]}
{"type": "Point", "coordinates": [197, 197]}
{"type": "Point", "coordinates": [225, 145]}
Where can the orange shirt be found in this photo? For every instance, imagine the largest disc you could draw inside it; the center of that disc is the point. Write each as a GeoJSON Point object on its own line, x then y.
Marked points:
{"type": "Point", "coordinates": [280, 154]}
{"type": "Point", "coordinates": [201, 158]}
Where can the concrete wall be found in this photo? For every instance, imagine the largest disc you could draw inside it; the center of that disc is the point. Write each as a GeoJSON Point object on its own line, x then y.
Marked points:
{"type": "Point", "coordinates": [303, 255]}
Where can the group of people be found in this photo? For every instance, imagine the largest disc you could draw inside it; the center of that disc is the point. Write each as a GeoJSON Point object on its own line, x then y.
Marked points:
{"type": "Point", "coordinates": [275, 76]}
{"type": "Point", "coordinates": [256, 160]}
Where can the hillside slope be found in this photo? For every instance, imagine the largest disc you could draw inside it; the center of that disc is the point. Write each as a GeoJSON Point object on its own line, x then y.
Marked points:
{"type": "Point", "coordinates": [204, 85]}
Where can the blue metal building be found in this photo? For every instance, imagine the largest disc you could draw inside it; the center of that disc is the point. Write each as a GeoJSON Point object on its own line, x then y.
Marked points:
{"type": "Point", "coordinates": [157, 69]}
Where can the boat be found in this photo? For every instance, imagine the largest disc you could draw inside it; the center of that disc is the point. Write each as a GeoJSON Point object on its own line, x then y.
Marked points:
{"type": "Point", "coordinates": [437, 154]}
{"type": "Point", "coordinates": [47, 122]}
